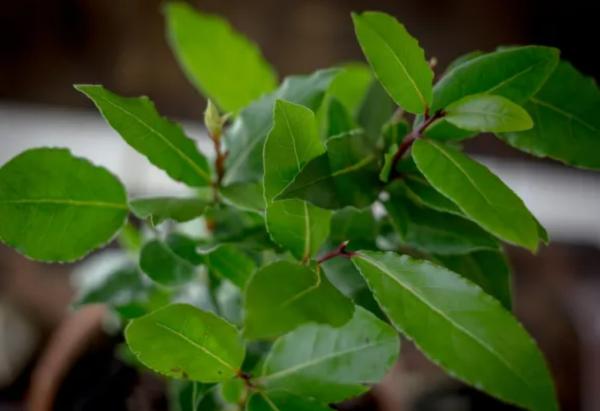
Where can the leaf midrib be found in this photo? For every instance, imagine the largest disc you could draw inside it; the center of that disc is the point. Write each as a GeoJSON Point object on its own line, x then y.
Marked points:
{"type": "Point", "coordinates": [65, 202]}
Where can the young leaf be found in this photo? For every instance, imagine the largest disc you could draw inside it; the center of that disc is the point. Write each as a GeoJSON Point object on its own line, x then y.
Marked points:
{"type": "Point", "coordinates": [165, 266]}
{"type": "Point", "coordinates": [293, 141]}
{"type": "Point", "coordinates": [229, 262]}
{"type": "Point", "coordinates": [57, 207]}
{"type": "Point", "coordinates": [346, 175]}
{"type": "Point", "coordinates": [159, 209]}
{"type": "Point", "coordinates": [247, 134]}
{"type": "Point", "coordinates": [160, 140]}
{"type": "Point", "coordinates": [567, 122]}
{"type": "Point", "coordinates": [460, 328]}
{"type": "Point", "coordinates": [282, 401]}
{"type": "Point", "coordinates": [487, 269]}
{"type": "Point", "coordinates": [332, 364]}
{"type": "Point", "coordinates": [396, 58]}
{"type": "Point", "coordinates": [481, 112]}
{"type": "Point", "coordinates": [183, 342]}
{"type": "Point", "coordinates": [481, 195]}
{"type": "Point", "coordinates": [220, 62]}
{"type": "Point", "coordinates": [283, 295]}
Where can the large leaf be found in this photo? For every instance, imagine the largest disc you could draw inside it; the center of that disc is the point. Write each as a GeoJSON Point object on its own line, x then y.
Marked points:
{"type": "Point", "coordinates": [220, 62]}
{"type": "Point", "coordinates": [56, 207]}
{"type": "Point", "coordinates": [293, 141]}
{"type": "Point", "coordinates": [346, 175]}
{"type": "Point", "coordinates": [487, 269]}
{"type": "Point", "coordinates": [247, 134]}
{"type": "Point", "coordinates": [396, 58]}
{"type": "Point", "coordinates": [160, 140]}
{"type": "Point", "coordinates": [165, 266]}
{"type": "Point", "coordinates": [229, 262]}
{"type": "Point", "coordinates": [282, 401]}
{"type": "Point", "coordinates": [421, 191]}
{"type": "Point", "coordinates": [435, 232]}
{"type": "Point", "coordinates": [283, 295]}
{"type": "Point", "coordinates": [159, 209]}
{"type": "Point", "coordinates": [332, 364]}
{"type": "Point", "coordinates": [567, 125]}
{"type": "Point", "coordinates": [479, 193]}
{"type": "Point", "coordinates": [516, 73]}
{"type": "Point", "coordinates": [484, 112]}
{"type": "Point", "coordinates": [183, 342]}
{"type": "Point", "coordinates": [460, 328]}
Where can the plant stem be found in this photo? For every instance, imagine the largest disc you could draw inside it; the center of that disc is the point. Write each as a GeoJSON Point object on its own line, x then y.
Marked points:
{"type": "Point", "coordinates": [220, 157]}
{"type": "Point", "coordinates": [339, 251]}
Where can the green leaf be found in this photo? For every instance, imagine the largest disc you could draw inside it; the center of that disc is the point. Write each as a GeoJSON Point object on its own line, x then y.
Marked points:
{"type": "Point", "coordinates": [247, 134]}
{"type": "Point", "coordinates": [160, 140]}
{"type": "Point", "coordinates": [483, 112]}
{"type": "Point", "coordinates": [245, 196]}
{"type": "Point", "coordinates": [332, 364]}
{"type": "Point", "coordinates": [462, 59]}
{"type": "Point", "coordinates": [164, 266]}
{"type": "Point", "coordinates": [359, 227]}
{"type": "Point", "coordinates": [230, 263]}
{"type": "Point", "coordinates": [221, 63]}
{"type": "Point", "coordinates": [57, 207]}
{"type": "Point", "coordinates": [182, 395]}
{"type": "Point", "coordinates": [480, 194]}
{"type": "Point", "coordinates": [567, 126]}
{"type": "Point", "coordinates": [293, 141]}
{"type": "Point", "coordinates": [339, 120]}
{"type": "Point", "coordinates": [375, 110]}
{"type": "Point", "coordinates": [183, 342]}
{"type": "Point", "coordinates": [488, 269]}
{"type": "Point", "coordinates": [435, 232]}
{"type": "Point", "coordinates": [346, 175]}
{"type": "Point", "coordinates": [159, 209]}
{"type": "Point", "coordinates": [396, 59]}
{"type": "Point", "coordinates": [350, 85]}
{"type": "Point", "coordinates": [283, 295]}
{"type": "Point", "coordinates": [421, 191]}
{"type": "Point", "coordinates": [388, 163]}
{"type": "Point", "coordinates": [282, 401]}
{"type": "Point", "coordinates": [460, 328]}
{"type": "Point", "coordinates": [516, 73]}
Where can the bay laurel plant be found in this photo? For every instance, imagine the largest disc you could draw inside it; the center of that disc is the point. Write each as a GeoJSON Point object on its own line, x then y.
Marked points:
{"type": "Point", "coordinates": [335, 213]}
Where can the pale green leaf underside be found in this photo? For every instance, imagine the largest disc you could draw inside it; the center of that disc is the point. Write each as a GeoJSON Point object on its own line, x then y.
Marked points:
{"type": "Point", "coordinates": [57, 207]}
{"type": "Point", "coordinates": [460, 327]}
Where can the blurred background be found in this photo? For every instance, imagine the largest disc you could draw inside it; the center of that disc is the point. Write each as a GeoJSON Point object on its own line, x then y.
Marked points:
{"type": "Point", "coordinates": [47, 45]}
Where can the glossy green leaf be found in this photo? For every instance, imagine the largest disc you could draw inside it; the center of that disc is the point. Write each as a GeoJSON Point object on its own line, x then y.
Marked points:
{"type": "Point", "coordinates": [183, 342]}
{"type": "Point", "coordinates": [460, 328]}
{"type": "Point", "coordinates": [488, 269]}
{"type": "Point", "coordinates": [332, 364]}
{"type": "Point", "coordinates": [282, 401]}
{"type": "Point", "coordinates": [346, 175]}
{"type": "Point", "coordinates": [375, 110]}
{"type": "Point", "coordinates": [422, 192]}
{"type": "Point", "coordinates": [159, 209]}
{"type": "Point", "coordinates": [229, 262]}
{"type": "Point", "coordinates": [57, 207]}
{"type": "Point", "coordinates": [396, 58]}
{"type": "Point", "coordinates": [434, 232]}
{"type": "Point", "coordinates": [359, 227]}
{"type": "Point", "coordinates": [516, 73]}
{"type": "Point", "coordinates": [283, 295]}
{"type": "Point", "coordinates": [245, 196]}
{"type": "Point", "coordinates": [191, 396]}
{"type": "Point", "coordinates": [462, 59]}
{"type": "Point", "coordinates": [220, 62]}
{"type": "Point", "coordinates": [567, 127]}
{"type": "Point", "coordinates": [350, 86]}
{"type": "Point", "coordinates": [160, 140]}
{"type": "Point", "coordinates": [484, 112]}
{"type": "Point", "coordinates": [247, 134]}
{"type": "Point", "coordinates": [163, 265]}
{"type": "Point", "coordinates": [480, 194]}
{"type": "Point", "coordinates": [339, 120]}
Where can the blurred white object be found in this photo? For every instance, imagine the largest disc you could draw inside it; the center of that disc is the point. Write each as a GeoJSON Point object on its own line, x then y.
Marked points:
{"type": "Point", "coordinates": [565, 200]}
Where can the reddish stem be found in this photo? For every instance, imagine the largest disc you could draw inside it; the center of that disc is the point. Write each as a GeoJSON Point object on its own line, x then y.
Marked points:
{"type": "Point", "coordinates": [339, 251]}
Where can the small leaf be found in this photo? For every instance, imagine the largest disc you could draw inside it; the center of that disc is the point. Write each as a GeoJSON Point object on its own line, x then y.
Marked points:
{"type": "Point", "coordinates": [160, 140]}
{"type": "Point", "coordinates": [159, 209]}
{"type": "Point", "coordinates": [332, 364]}
{"type": "Point", "coordinates": [183, 342]}
{"type": "Point", "coordinates": [164, 266]}
{"type": "Point", "coordinates": [339, 120]}
{"type": "Point", "coordinates": [396, 59]}
{"type": "Point", "coordinates": [283, 295]}
{"type": "Point", "coordinates": [55, 207]}
{"type": "Point", "coordinates": [460, 328]}
{"type": "Point", "coordinates": [481, 112]}
{"type": "Point", "coordinates": [346, 175]}
{"type": "Point", "coordinates": [375, 110]}
{"type": "Point", "coordinates": [212, 55]}
{"type": "Point", "coordinates": [230, 263]}
{"type": "Point", "coordinates": [567, 126]}
{"type": "Point", "coordinates": [282, 401]}
{"type": "Point", "coordinates": [246, 136]}
{"type": "Point", "coordinates": [388, 163]}
{"type": "Point", "coordinates": [480, 194]}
